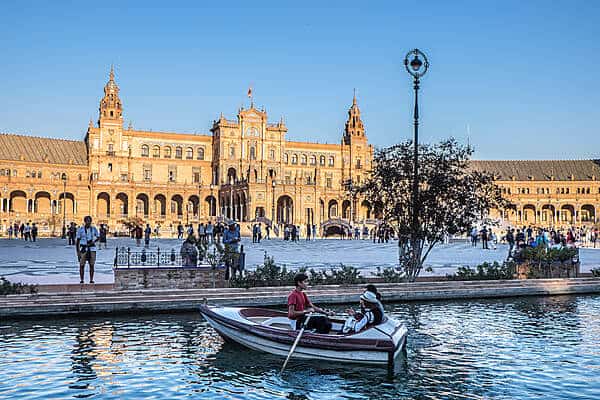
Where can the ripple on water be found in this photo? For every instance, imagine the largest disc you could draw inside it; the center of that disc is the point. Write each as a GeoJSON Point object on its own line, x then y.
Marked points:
{"type": "Point", "coordinates": [492, 349]}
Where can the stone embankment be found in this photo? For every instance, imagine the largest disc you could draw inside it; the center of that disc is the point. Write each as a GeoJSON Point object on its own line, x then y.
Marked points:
{"type": "Point", "coordinates": [104, 300]}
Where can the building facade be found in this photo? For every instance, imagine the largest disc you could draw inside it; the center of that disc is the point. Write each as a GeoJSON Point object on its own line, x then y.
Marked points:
{"type": "Point", "coordinates": [244, 170]}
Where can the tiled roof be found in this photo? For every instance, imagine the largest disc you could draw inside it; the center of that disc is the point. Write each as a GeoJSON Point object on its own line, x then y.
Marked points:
{"type": "Point", "coordinates": [540, 170]}
{"type": "Point", "coordinates": [43, 150]}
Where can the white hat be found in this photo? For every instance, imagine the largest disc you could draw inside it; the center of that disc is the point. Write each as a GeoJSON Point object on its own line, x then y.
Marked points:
{"type": "Point", "coordinates": [369, 297]}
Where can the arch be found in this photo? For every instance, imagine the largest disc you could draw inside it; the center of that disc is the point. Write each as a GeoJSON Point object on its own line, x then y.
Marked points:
{"type": "Point", "coordinates": [168, 152]}
{"type": "Point", "coordinates": [178, 152]}
{"type": "Point", "coordinates": [547, 214]}
{"type": "Point", "coordinates": [145, 150]}
{"type": "Point", "coordinates": [189, 153]}
{"type": "Point", "coordinates": [346, 209]}
{"type": "Point", "coordinates": [156, 151]}
{"type": "Point", "coordinates": [567, 213]}
{"type": "Point", "coordinates": [177, 205]}
{"type": "Point", "coordinates": [252, 152]}
{"type": "Point", "coordinates": [103, 205]}
{"type": "Point", "coordinates": [286, 158]}
{"type": "Point", "coordinates": [332, 209]}
{"type": "Point", "coordinates": [18, 201]}
{"type": "Point", "coordinates": [294, 158]}
{"type": "Point", "coordinates": [285, 210]}
{"type": "Point", "coordinates": [122, 201]}
{"type": "Point", "coordinates": [142, 205]}
{"type": "Point", "coordinates": [313, 160]}
{"type": "Point", "coordinates": [587, 213]}
{"type": "Point", "coordinates": [331, 161]}
{"type": "Point", "coordinates": [67, 200]}
{"type": "Point", "coordinates": [200, 153]}
{"type": "Point", "coordinates": [231, 175]}
{"type": "Point", "coordinates": [322, 160]}
{"type": "Point", "coordinates": [194, 205]}
{"type": "Point", "coordinates": [42, 203]}
{"type": "Point", "coordinates": [160, 205]}
{"type": "Point", "coordinates": [211, 205]}
{"type": "Point", "coordinates": [303, 159]}
{"type": "Point", "coordinates": [365, 209]}
{"type": "Point", "coordinates": [529, 213]}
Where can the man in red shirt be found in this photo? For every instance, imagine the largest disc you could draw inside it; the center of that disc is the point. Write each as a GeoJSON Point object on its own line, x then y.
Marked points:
{"type": "Point", "coordinates": [299, 306]}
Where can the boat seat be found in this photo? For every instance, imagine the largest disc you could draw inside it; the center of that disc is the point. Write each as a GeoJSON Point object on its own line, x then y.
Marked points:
{"type": "Point", "coordinates": [277, 322]}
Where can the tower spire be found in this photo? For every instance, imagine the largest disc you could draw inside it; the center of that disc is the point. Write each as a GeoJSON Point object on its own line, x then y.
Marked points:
{"type": "Point", "coordinates": [354, 125]}
{"type": "Point", "coordinates": [111, 108]}
{"type": "Point", "coordinates": [354, 98]}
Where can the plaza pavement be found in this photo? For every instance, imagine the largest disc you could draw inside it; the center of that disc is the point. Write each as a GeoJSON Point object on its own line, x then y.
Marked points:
{"type": "Point", "coordinates": [51, 261]}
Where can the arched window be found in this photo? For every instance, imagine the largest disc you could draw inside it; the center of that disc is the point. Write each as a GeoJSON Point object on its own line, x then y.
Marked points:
{"type": "Point", "coordinates": [189, 153]}
{"type": "Point", "coordinates": [252, 153]}
{"type": "Point", "coordinates": [313, 160]}
{"type": "Point", "coordinates": [331, 161]}
{"type": "Point", "coordinates": [294, 158]}
{"type": "Point", "coordinates": [167, 152]}
{"type": "Point", "coordinates": [303, 159]}
{"type": "Point", "coordinates": [287, 160]}
{"type": "Point", "coordinates": [145, 150]}
{"type": "Point", "coordinates": [156, 152]}
{"type": "Point", "coordinates": [178, 152]}
{"type": "Point", "coordinates": [232, 152]}
{"type": "Point", "coordinates": [322, 160]}
{"type": "Point", "coordinates": [271, 154]}
{"type": "Point", "coordinates": [200, 153]}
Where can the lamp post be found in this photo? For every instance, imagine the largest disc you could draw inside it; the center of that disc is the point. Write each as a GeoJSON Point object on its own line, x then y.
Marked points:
{"type": "Point", "coordinates": [64, 227]}
{"type": "Point", "coordinates": [212, 202]}
{"type": "Point", "coordinates": [273, 184]}
{"type": "Point", "coordinates": [417, 67]}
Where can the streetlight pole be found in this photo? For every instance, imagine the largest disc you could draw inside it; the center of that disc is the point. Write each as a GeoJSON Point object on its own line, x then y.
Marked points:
{"type": "Point", "coordinates": [416, 68]}
{"type": "Point", "coordinates": [64, 203]}
{"type": "Point", "coordinates": [212, 202]}
{"type": "Point", "coordinates": [273, 184]}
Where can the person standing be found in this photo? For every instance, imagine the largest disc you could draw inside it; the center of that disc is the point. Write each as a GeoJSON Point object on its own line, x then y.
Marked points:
{"type": "Point", "coordinates": [308, 231]}
{"type": "Point", "coordinates": [22, 231]}
{"type": "Point", "coordinates": [202, 233]}
{"type": "Point", "coordinates": [34, 232]}
{"type": "Point", "coordinates": [484, 238]}
{"type": "Point", "coordinates": [231, 240]}
{"type": "Point", "coordinates": [147, 233]}
{"type": "Point", "coordinates": [27, 232]}
{"type": "Point", "coordinates": [103, 234]}
{"type": "Point", "coordinates": [314, 232]}
{"type": "Point", "coordinates": [138, 233]}
{"type": "Point", "coordinates": [10, 231]}
{"type": "Point", "coordinates": [268, 232]}
{"type": "Point", "coordinates": [85, 243]}
{"type": "Point", "coordinates": [210, 230]}
{"type": "Point", "coordinates": [510, 239]}
{"type": "Point", "coordinates": [179, 231]}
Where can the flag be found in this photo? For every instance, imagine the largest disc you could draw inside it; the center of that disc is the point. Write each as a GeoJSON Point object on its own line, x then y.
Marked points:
{"type": "Point", "coordinates": [250, 92]}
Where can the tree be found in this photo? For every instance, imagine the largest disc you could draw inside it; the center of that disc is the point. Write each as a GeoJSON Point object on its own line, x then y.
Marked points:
{"type": "Point", "coordinates": [452, 197]}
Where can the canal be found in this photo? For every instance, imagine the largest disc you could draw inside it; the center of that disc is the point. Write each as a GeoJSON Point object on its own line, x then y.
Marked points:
{"type": "Point", "coordinates": [520, 348]}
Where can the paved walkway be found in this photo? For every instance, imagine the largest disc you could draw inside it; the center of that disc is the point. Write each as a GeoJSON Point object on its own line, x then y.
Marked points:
{"type": "Point", "coordinates": [152, 301]}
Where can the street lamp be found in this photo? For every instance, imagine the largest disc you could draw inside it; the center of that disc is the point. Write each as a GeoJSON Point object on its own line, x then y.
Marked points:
{"type": "Point", "coordinates": [417, 67]}
{"type": "Point", "coordinates": [64, 228]}
{"type": "Point", "coordinates": [273, 184]}
{"type": "Point", "coordinates": [212, 202]}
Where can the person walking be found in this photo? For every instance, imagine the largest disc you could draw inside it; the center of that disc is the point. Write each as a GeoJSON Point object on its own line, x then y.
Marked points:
{"type": "Point", "coordinates": [268, 232]}
{"type": "Point", "coordinates": [147, 233]}
{"type": "Point", "coordinates": [85, 244]}
{"type": "Point", "coordinates": [102, 238]}
{"type": "Point", "coordinates": [202, 233]}
{"type": "Point", "coordinates": [210, 231]}
{"type": "Point", "coordinates": [179, 231]}
{"type": "Point", "coordinates": [314, 232]}
{"type": "Point", "coordinates": [27, 232]}
{"type": "Point", "coordinates": [34, 232]}
{"type": "Point", "coordinates": [231, 240]}
{"type": "Point", "coordinates": [484, 238]}
{"type": "Point", "coordinates": [138, 233]}
{"type": "Point", "coordinates": [10, 232]}
{"type": "Point", "coordinates": [510, 239]}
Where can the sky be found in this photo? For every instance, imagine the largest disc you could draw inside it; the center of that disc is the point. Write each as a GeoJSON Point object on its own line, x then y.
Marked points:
{"type": "Point", "coordinates": [516, 80]}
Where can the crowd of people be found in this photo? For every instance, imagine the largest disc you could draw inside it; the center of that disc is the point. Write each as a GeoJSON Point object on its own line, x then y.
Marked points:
{"type": "Point", "coordinates": [27, 232]}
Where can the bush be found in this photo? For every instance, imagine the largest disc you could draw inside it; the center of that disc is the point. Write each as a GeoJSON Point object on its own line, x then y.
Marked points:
{"type": "Point", "coordinates": [390, 275]}
{"type": "Point", "coordinates": [7, 287]}
{"type": "Point", "coordinates": [270, 274]}
{"type": "Point", "coordinates": [485, 271]}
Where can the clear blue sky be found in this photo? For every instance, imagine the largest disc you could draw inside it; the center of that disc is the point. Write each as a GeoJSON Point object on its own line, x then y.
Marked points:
{"type": "Point", "coordinates": [521, 77]}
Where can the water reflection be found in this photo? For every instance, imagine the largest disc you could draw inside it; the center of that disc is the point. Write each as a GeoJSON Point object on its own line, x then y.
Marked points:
{"type": "Point", "coordinates": [513, 348]}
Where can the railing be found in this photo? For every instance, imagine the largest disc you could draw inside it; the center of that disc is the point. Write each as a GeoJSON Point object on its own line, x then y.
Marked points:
{"type": "Point", "coordinates": [110, 153]}
{"type": "Point", "coordinates": [124, 257]}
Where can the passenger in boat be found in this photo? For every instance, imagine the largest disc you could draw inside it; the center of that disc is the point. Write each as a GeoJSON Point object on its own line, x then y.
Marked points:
{"type": "Point", "coordinates": [371, 312]}
{"type": "Point", "coordinates": [299, 306]}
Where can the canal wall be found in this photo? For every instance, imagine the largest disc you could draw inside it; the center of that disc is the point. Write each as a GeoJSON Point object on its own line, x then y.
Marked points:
{"type": "Point", "coordinates": [108, 301]}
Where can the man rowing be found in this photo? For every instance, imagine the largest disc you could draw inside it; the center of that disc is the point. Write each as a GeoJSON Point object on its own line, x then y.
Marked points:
{"type": "Point", "coordinates": [299, 306]}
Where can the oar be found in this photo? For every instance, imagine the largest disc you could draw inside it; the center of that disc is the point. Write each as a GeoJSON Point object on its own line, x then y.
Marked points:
{"type": "Point", "coordinates": [295, 342]}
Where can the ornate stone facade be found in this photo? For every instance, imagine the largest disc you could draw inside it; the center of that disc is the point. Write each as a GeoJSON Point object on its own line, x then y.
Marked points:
{"type": "Point", "coordinates": [246, 169]}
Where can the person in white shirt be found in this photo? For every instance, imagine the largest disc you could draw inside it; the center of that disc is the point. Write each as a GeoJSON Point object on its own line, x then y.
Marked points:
{"type": "Point", "coordinates": [87, 236]}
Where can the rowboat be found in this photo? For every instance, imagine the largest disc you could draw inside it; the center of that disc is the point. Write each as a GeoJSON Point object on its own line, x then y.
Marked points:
{"type": "Point", "coordinates": [270, 331]}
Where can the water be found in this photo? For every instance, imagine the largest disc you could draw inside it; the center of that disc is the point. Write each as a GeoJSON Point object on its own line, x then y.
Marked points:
{"type": "Point", "coordinates": [522, 348]}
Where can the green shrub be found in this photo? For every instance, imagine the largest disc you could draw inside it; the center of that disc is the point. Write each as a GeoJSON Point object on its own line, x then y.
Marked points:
{"type": "Point", "coordinates": [390, 275]}
{"type": "Point", "coordinates": [485, 271]}
{"type": "Point", "coordinates": [7, 287]}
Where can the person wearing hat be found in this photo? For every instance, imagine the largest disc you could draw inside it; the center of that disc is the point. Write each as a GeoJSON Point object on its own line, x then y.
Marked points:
{"type": "Point", "coordinates": [371, 312]}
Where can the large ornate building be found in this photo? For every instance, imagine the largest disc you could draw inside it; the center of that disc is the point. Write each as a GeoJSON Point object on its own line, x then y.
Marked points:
{"type": "Point", "coordinates": [244, 170]}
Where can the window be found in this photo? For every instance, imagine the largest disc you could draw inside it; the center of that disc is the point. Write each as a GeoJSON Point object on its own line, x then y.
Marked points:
{"type": "Point", "coordinates": [252, 153]}
{"type": "Point", "coordinates": [288, 180]}
{"type": "Point", "coordinates": [232, 152]}
{"type": "Point", "coordinates": [196, 175]}
{"type": "Point", "coordinates": [178, 152]}
{"type": "Point", "coordinates": [172, 174]}
{"type": "Point", "coordinates": [123, 177]}
{"type": "Point", "coordinates": [328, 183]}
{"type": "Point", "coordinates": [322, 160]}
{"type": "Point", "coordinates": [358, 164]}
{"type": "Point", "coordinates": [200, 155]}
{"type": "Point", "coordinates": [287, 160]}
{"type": "Point", "coordinates": [109, 167]}
{"type": "Point", "coordinates": [189, 154]}
{"type": "Point", "coordinates": [331, 161]}
{"type": "Point", "coordinates": [145, 151]}
{"type": "Point", "coordinates": [167, 152]}
{"type": "Point", "coordinates": [313, 160]}
{"type": "Point", "coordinates": [303, 159]}
{"type": "Point", "coordinates": [156, 152]}
{"type": "Point", "coordinates": [147, 173]}
{"type": "Point", "coordinates": [272, 154]}
{"type": "Point", "coordinates": [294, 158]}
{"type": "Point", "coordinates": [111, 149]}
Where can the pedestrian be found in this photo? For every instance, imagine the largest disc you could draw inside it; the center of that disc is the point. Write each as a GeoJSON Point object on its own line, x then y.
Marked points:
{"type": "Point", "coordinates": [22, 231]}
{"type": "Point", "coordinates": [231, 240]}
{"type": "Point", "coordinates": [202, 233]}
{"type": "Point", "coordinates": [147, 233]}
{"type": "Point", "coordinates": [102, 236]}
{"type": "Point", "coordinates": [308, 231]}
{"type": "Point", "coordinates": [85, 244]}
{"type": "Point", "coordinates": [34, 232]}
{"type": "Point", "coordinates": [510, 239]}
{"type": "Point", "coordinates": [10, 231]}
{"type": "Point", "coordinates": [210, 230]}
{"type": "Point", "coordinates": [138, 233]}
{"type": "Point", "coordinates": [258, 232]}
{"type": "Point", "coordinates": [268, 232]}
{"type": "Point", "coordinates": [179, 231]}
{"type": "Point", "coordinates": [314, 232]}
{"type": "Point", "coordinates": [484, 238]}
{"type": "Point", "coordinates": [27, 232]}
